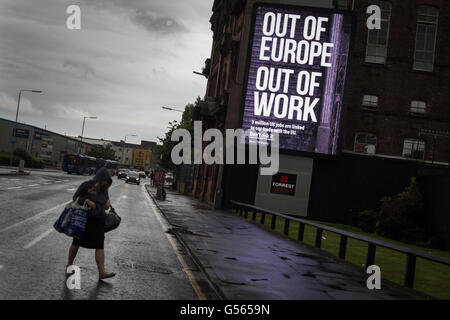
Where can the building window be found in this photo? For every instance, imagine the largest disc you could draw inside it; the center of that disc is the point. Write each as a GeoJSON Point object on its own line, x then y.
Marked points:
{"type": "Point", "coordinates": [341, 4]}
{"type": "Point", "coordinates": [370, 102]}
{"type": "Point", "coordinates": [377, 39]}
{"type": "Point", "coordinates": [365, 143]}
{"type": "Point", "coordinates": [414, 149]}
{"type": "Point", "coordinates": [425, 38]}
{"type": "Point", "coordinates": [418, 108]}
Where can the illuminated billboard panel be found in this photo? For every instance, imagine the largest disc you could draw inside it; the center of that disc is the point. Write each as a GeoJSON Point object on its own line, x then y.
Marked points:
{"type": "Point", "coordinates": [296, 72]}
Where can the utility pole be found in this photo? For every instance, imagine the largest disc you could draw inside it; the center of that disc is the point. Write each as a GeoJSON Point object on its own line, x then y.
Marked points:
{"type": "Point", "coordinates": [82, 132]}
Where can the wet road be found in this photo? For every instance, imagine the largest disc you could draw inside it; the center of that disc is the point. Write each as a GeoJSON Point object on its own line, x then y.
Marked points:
{"type": "Point", "coordinates": [149, 263]}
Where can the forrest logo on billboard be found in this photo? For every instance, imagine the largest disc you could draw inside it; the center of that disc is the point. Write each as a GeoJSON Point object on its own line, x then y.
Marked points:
{"type": "Point", "coordinates": [296, 76]}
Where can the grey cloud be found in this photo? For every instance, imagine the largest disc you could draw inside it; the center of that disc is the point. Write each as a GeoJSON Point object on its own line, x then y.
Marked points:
{"type": "Point", "coordinates": [154, 23]}
{"type": "Point", "coordinates": [80, 68]}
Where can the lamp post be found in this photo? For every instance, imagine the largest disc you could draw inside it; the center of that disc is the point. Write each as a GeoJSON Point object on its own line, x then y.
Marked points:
{"type": "Point", "coordinates": [82, 131]}
{"type": "Point", "coordinates": [123, 148]}
{"type": "Point", "coordinates": [18, 101]}
{"type": "Point", "coordinates": [17, 116]}
{"type": "Point", "coordinates": [172, 109]}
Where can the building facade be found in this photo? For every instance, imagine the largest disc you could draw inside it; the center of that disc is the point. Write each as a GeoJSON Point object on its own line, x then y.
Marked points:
{"type": "Point", "coordinates": [46, 145]}
{"type": "Point", "coordinates": [143, 156]}
{"type": "Point", "coordinates": [397, 92]}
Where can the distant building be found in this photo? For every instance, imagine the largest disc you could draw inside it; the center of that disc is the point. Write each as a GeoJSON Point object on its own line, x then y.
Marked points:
{"type": "Point", "coordinates": [41, 143]}
{"type": "Point", "coordinates": [135, 155]}
{"type": "Point", "coordinates": [95, 141]}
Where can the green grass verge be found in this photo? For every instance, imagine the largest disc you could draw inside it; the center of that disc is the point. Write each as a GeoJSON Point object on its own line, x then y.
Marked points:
{"type": "Point", "coordinates": [430, 278]}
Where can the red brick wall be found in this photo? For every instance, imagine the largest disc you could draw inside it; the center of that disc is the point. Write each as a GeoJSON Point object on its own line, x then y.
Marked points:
{"type": "Point", "coordinates": [396, 84]}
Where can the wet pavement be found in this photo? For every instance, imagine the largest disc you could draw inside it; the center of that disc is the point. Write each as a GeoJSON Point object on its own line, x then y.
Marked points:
{"type": "Point", "coordinates": [246, 261]}
{"type": "Point", "coordinates": [196, 253]}
{"type": "Point", "coordinates": [33, 256]}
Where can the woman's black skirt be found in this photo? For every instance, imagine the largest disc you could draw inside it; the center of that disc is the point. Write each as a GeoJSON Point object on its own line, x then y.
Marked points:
{"type": "Point", "coordinates": [94, 235]}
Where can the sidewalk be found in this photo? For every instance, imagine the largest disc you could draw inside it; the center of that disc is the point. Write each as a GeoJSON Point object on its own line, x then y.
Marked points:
{"type": "Point", "coordinates": [12, 171]}
{"type": "Point", "coordinates": [246, 261]}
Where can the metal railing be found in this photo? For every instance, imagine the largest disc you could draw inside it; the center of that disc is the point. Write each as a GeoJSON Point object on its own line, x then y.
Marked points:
{"type": "Point", "coordinates": [411, 255]}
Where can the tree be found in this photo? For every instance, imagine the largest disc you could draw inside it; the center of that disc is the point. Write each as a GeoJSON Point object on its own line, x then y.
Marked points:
{"type": "Point", "coordinates": [102, 151]}
{"type": "Point", "coordinates": [166, 146]}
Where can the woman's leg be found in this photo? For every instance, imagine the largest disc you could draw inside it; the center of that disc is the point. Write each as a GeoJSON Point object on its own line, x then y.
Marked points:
{"type": "Point", "coordinates": [73, 250]}
{"type": "Point", "coordinates": [100, 260]}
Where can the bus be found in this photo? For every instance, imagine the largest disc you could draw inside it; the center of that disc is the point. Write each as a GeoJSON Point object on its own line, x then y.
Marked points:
{"type": "Point", "coordinates": [111, 165]}
{"type": "Point", "coordinates": [79, 164]}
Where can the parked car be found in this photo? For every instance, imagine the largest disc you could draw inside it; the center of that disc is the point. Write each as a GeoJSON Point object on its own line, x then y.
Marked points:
{"type": "Point", "coordinates": [122, 173]}
{"type": "Point", "coordinates": [133, 176]}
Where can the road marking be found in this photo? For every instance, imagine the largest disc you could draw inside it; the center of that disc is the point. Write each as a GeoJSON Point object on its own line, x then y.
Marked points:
{"type": "Point", "coordinates": [41, 214]}
{"type": "Point", "coordinates": [13, 188]}
{"type": "Point", "coordinates": [36, 216]}
{"type": "Point", "coordinates": [1, 267]}
{"type": "Point", "coordinates": [33, 185]}
{"type": "Point", "coordinates": [37, 239]}
{"type": "Point", "coordinates": [71, 189]}
{"type": "Point", "coordinates": [188, 272]}
{"type": "Point", "coordinates": [47, 183]}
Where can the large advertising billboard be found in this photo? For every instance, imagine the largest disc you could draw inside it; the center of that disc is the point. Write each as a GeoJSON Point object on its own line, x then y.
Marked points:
{"type": "Point", "coordinates": [296, 72]}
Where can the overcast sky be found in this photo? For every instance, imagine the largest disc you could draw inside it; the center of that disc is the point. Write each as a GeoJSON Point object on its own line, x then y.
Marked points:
{"type": "Point", "coordinates": [130, 58]}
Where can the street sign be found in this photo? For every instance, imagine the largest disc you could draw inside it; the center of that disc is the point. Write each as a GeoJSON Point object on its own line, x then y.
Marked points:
{"type": "Point", "coordinates": [283, 183]}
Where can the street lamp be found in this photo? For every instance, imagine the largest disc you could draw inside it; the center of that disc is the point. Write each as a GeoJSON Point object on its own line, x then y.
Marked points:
{"type": "Point", "coordinates": [82, 131]}
{"type": "Point", "coordinates": [18, 101]}
{"type": "Point", "coordinates": [172, 109]}
{"type": "Point", "coordinates": [123, 148]}
{"type": "Point", "coordinates": [17, 116]}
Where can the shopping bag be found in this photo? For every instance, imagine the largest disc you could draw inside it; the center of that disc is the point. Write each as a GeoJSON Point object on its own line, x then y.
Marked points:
{"type": "Point", "coordinates": [112, 220]}
{"type": "Point", "coordinates": [62, 221]}
{"type": "Point", "coordinates": [73, 219]}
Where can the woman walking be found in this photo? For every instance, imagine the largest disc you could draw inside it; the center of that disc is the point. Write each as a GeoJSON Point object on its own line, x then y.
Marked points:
{"type": "Point", "coordinates": [95, 193]}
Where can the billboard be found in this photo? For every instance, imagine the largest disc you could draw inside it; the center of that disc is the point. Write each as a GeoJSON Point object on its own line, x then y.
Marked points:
{"type": "Point", "coordinates": [296, 74]}
{"type": "Point", "coordinates": [141, 157]}
{"type": "Point", "coordinates": [21, 133]}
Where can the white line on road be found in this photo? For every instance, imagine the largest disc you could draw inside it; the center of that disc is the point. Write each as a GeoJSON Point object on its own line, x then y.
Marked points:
{"type": "Point", "coordinates": [33, 185]}
{"type": "Point", "coordinates": [41, 214]}
{"type": "Point", "coordinates": [1, 267]}
{"type": "Point", "coordinates": [71, 189]}
{"type": "Point", "coordinates": [13, 188]}
{"type": "Point", "coordinates": [36, 216]}
{"type": "Point", "coordinates": [37, 239]}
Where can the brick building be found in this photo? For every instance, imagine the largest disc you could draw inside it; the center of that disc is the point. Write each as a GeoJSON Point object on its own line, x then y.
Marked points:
{"type": "Point", "coordinates": [397, 95]}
